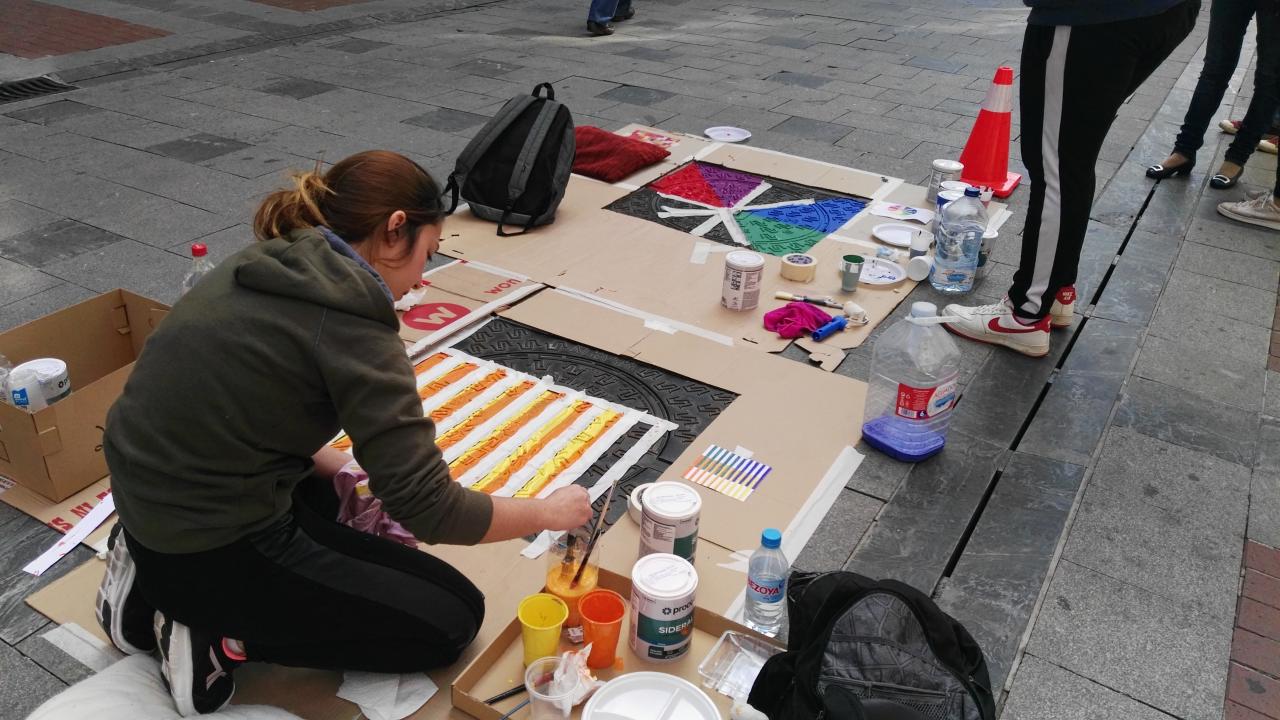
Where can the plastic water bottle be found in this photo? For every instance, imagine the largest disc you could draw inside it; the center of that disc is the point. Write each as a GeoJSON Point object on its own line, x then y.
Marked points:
{"type": "Point", "coordinates": [200, 266]}
{"type": "Point", "coordinates": [767, 584]}
{"type": "Point", "coordinates": [959, 237]}
{"type": "Point", "coordinates": [914, 368]}
{"type": "Point", "coordinates": [6, 368]}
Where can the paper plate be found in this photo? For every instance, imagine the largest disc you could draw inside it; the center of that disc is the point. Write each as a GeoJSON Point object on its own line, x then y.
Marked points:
{"type": "Point", "coordinates": [878, 271]}
{"type": "Point", "coordinates": [895, 234]}
{"type": "Point", "coordinates": [650, 696]}
{"type": "Point", "coordinates": [727, 133]}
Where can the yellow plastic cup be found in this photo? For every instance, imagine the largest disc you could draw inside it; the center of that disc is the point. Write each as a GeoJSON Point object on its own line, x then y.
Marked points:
{"type": "Point", "coordinates": [541, 618]}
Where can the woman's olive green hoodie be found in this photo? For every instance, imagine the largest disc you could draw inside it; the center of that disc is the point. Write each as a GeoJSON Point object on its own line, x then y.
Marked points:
{"type": "Point", "coordinates": [252, 372]}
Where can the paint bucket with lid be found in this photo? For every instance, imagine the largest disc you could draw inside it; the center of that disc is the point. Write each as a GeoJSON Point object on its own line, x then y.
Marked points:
{"type": "Point", "coordinates": [662, 594]}
{"type": "Point", "coordinates": [669, 520]}
{"type": "Point", "coordinates": [741, 288]}
{"type": "Point", "coordinates": [51, 373]}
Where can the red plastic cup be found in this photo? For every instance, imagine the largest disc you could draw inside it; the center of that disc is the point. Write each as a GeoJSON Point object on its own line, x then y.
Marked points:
{"type": "Point", "coordinates": [602, 612]}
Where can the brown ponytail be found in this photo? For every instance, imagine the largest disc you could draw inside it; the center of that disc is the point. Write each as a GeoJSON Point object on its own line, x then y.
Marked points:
{"type": "Point", "coordinates": [354, 199]}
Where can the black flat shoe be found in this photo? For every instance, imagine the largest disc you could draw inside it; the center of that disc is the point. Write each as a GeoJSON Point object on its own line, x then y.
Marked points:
{"type": "Point", "coordinates": [599, 29]}
{"type": "Point", "coordinates": [630, 13]}
{"type": "Point", "coordinates": [1160, 172]}
{"type": "Point", "coordinates": [1222, 182]}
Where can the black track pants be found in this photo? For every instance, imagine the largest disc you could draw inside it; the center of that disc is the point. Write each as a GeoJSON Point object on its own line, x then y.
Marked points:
{"type": "Point", "coordinates": [1074, 80]}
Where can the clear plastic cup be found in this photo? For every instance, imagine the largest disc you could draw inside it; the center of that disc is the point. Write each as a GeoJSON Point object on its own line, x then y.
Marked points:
{"type": "Point", "coordinates": [550, 699]}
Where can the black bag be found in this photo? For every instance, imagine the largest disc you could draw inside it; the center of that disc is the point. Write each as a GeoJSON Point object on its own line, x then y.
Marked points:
{"type": "Point", "coordinates": [876, 650]}
{"type": "Point", "coordinates": [516, 169]}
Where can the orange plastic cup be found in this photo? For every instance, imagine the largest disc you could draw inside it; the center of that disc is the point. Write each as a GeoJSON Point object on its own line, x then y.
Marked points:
{"type": "Point", "coordinates": [602, 612]}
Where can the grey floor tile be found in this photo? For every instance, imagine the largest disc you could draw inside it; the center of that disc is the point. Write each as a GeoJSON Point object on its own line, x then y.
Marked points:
{"type": "Point", "coordinates": [52, 112]}
{"type": "Point", "coordinates": [1132, 292]}
{"type": "Point", "coordinates": [357, 46]}
{"type": "Point", "coordinates": [25, 539]}
{"type": "Point", "coordinates": [1103, 348]}
{"type": "Point", "coordinates": [998, 399]}
{"type": "Point", "coordinates": [53, 659]}
{"type": "Point", "coordinates": [1268, 459]}
{"type": "Point", "coordinates": [879, 475]}
{"type": "Point", "coordinates": [297, 88]}
{"type": "Point", "coordinates": [256, 161]}
{"type": "Point", "coordinates": [19, 281]}
{"type": "Point", "coordinates": [198, 148]}
{"type": "Point", "coordinates": [1272, 406]}
{"type": "Point", "coordinates": [1264, 508]}
{"type": "Point", "coordinates": [1217, 375]}
{"type": "Point", "coordinates": [812, 129]}
{"type": "Point", "coordinates": [40, 304]}
{"type": "Point", "coordinates": [486, 68]}
{"type": "Point", "coordinates": [221, 244]}
{"type": "Point", "coordinates": [145, 270]}
{"type": "Point", "coordinates": [1158, 550]}
{"type": "Point", "coordinates": [787, 77]}
{"type": "Point", "coordinates": [26, 685]}
{"type": "Point", "coordinates": [995, 584]}
{"type": "Point", "coordinates": [1210, 332]}
{"type": "Point", "coordinates": [916, 534]}
{"type": "Point", "coordinates": [1069, 422]}
{"type": "Point", "coordinates": [18, 217]}
{"type": "Point", "coordinates": [1223, 233]}
{"type": "Point", "coordinates": [1134, 641]}
{"type": "Point", "coordinates": [1044, 691]}
{"type": "Point", "coordinates": [55, 241]}
{"type": "Point", "coordinates": [1158, 411]}
{"type": "Point", "coordinates": [647, 53]}
{"type": "Point", "coordinates": [448, 120]}
{"type": "Point", "coordinates": [635, 95]}
{"type": "Point", "coordinates": [1229, 265]}
{"type": "Point", "coordinates": [1221, 297]}
{"type": "Point", "coordinates": [798, 43]}
{"type": "Point", "coordinates": [839, 532]}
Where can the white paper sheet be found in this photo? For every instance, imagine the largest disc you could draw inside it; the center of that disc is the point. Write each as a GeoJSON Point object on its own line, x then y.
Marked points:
{"type": "Point", "coordinates": [73, 537]}
{"type": "Point", "coordinates": [387, 697]}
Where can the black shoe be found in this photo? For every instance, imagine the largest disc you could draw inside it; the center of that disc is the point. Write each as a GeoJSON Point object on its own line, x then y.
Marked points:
{"type": "Point", "coordinates": [194, 667]}
{"type": "Point", "coordinates": [599, 29]}
{"type": "Point", "coordinates": [630, 13]}
{"type": "Point", "coordinates": [1160, 172]}
{"type": "Point", "coordinates": [1223, 182]}
{"type": "Point", "coordinates": [124, 616]}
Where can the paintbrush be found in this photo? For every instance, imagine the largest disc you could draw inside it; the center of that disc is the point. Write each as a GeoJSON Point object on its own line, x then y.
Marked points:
{"type": "Point", "coordinates": [567, 564]}
{"type": "Point", "coordinates": [595, 533]}
{"type": "Point", "coordinates": [826, 302]}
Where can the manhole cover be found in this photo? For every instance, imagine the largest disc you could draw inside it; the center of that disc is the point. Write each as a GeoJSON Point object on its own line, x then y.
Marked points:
{"type": "Point", "coordinates": [31, 88]}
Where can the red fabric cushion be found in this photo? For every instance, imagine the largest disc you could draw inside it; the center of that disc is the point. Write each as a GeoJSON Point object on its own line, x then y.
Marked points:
{"type": "Point", "coordinates": [605, 156]}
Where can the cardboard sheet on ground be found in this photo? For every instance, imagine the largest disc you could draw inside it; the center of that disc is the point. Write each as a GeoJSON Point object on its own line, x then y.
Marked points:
{"type": "Point", "coordinates": [62, 516]}
{"type": "Point", "coordinates": [801, 422]}
{"type": "Point", "coordinates": [456, 295]}
{"type": "Point", "coordinates": [675, 278]}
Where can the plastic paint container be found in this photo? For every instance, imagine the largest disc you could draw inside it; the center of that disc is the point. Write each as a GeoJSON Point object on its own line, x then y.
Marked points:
{"type": "Point", "coordinates": [741, 288]}
{"type": "Point", "coordinates": [662, 592]}
{"type": "Point", "coordinates": [669, 520]}
{"type": "Point", "coordinates": [52, 374]}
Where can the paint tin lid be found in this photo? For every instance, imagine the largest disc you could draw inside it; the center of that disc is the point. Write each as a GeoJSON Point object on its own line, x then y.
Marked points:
{"type": "Point", "coordinates": [948, 166]}
{"type": "Point", "coordinates": [744, 260]}
{"type": "Point", "coordinates": [46, 368]}
{"type": "Point", "coordinates": [664, 577]}
{"type": "Point", "coordinates": [671, 501]}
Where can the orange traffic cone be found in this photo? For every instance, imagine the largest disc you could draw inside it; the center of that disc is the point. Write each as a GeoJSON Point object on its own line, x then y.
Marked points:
{"type": "Point", "coordinates": [986, 155]}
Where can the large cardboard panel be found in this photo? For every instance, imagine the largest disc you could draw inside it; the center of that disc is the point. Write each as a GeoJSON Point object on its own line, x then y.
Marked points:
{"type": "Point", "coordinates": [455, 295]}
{"type": "Point", "coordinates": [58, 451]}
{"type": "Point", "coordinates": [64, 514]}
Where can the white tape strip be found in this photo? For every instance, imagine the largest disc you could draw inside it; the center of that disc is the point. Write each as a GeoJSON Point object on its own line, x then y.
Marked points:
{"type": "Point", "coordinates": [483, 430]}
{"type": "Point", "coordinates": [74, 536]}
{"type": "Point", "coordinates": [999, 220]}
{"type": "Point", "coordinates": [554, 445]}
{"type": "Point", "coordinates": [451, 421]}
{"type": "Point", "coordinates": [810, 515]}
{"type": "Point", "coordinates": [450, 391]}
{"type": "Point", "coordinates": [441, 369]}
{"type": "Point", "coordinates": [626, 186]}
{"type": "Point", "coordinates": [474, 316]}
{"type": "Point", "coordinates": [494, 269]}
{"type": "Point", "coordinates": [633, 312]}
{"type": "Point", "coordinates": [83, 646]}
{"type": "Point", "coordinates": [701, 250]}
{"type": "Point", "coordinates": [660, 327]}
{"type": "Point", "coordinates": [540, 544]}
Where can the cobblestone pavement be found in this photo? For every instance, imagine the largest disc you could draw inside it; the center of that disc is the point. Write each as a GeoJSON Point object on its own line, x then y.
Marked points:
{"type": "Point", "coordinates": [1089, 516]}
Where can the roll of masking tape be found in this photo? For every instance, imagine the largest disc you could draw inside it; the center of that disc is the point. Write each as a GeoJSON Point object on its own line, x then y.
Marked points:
{"type": "Point", "coordinates": [799, 267]}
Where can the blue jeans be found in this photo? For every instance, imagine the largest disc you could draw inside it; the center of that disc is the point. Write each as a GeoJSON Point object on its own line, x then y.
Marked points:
{"type": "Point", "coordinates": [1228, 22]}
{"type": "Point", "coordinates": [603, 11]}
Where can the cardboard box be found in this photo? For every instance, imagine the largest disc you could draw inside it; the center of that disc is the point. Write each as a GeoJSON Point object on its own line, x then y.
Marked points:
{"type": "Point", "coordinates": [57, 451]}
{"type": "Point", "coordinates": [500, 666]}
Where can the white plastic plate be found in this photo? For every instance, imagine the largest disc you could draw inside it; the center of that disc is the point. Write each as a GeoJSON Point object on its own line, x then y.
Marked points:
{"type": "Point", "coordinates": [650, 696]}
{"type": "Point", "coordinates": [895, 234]}
{"type": "Point", "coordinates": [727, 133]}
{"type": "Point", "coordinates": [878, 271]}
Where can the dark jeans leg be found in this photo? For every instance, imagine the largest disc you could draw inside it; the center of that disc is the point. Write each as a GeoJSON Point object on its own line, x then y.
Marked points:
{"type": "Point", "coordinates": [1228, 22]}
{"type": "Point", "coordinates": [1074, 80]}
{"type": "Point", "coordinates": [309, 592]}
{"type": "Point", "coordinates": [602, 11]}
{"type": "Point", "coordinates": [1266, 84]}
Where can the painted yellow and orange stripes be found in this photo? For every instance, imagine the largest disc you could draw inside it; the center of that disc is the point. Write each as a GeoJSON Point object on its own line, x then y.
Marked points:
{"type": "Point", "coordinates": [570, 454]}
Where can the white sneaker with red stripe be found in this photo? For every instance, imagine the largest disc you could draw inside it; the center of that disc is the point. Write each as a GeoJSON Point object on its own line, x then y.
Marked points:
{"type": "Point", "coordinates": [996, 325]}
{"type": "Point", "coordinates": [1063, 310]}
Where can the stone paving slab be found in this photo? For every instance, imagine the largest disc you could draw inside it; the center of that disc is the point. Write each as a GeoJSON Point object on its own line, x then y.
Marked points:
{"type": "Point", "coordinates": [1045, 691]}
{"type": "Point", "coordinates": [1152, 409]}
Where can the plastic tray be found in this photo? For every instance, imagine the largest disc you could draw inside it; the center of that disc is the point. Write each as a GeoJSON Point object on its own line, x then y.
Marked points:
{"type": "Point", "coordinates": [733, 664]}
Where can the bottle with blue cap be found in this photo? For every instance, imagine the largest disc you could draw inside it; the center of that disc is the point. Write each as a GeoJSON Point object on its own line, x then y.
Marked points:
{"type": "Point", "coordinates": [767, 584]}
{"type": "Point", "coordinates": [961, 225]}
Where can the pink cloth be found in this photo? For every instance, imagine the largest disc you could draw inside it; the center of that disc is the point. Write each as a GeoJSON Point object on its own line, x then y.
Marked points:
{"type": "Point", "coordinates": [795, 319]}
{"type": "Point", "coordinates": [359, 509]}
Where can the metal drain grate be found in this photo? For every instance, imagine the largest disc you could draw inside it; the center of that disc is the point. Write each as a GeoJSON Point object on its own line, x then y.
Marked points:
{"type": "Point", "coordinates": [31, 88]}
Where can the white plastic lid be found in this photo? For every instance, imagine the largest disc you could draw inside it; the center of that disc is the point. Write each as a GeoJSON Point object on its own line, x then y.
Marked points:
{"type": "Point", "coordinates": [745, 259]}
{"type": "Point", "coordinates": [672, 500]}
{"type": "Point", "coordinates": [664, 576]}
{"type": "Point", "coordinates": [45, 368]}
{"type": "Point", "coordinates": [923, 309]}
{"type": "Point", "coordinates": [650, 696]}
{"type": "Point", "coordinates": [944, 165]}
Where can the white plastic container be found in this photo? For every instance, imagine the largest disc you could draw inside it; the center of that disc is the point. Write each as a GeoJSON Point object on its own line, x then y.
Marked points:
{"type": "Point", "coordinates": [914, 369]}
{"type": "Point", "coordinates": [742, 272]}
{"type": "Point", "coordinates": [669, 520]}
{"type": "Point", "coordinates": [662, 594]}
{"type": "Point", "coordinates": [960, 227]}
{"type": "Point", "coordinates": [55, 383]}
{"type": "Point", "coordinates": [25, 391]}
{"type": "Point", "coordinates": [766, 585]}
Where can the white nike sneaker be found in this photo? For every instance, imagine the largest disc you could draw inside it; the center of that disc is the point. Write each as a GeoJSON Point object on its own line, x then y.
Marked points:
{"type": "Point", "coordinates": [995, 325]}
{"type": "Point", "coordinates": [1062, 312]}
{"type": "Point", "coordinates": [1259, 210]}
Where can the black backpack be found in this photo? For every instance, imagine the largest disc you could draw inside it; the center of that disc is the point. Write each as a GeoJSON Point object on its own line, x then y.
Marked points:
{"type": "Point", "coordinates": [871, 649]}
{"type": "Point", "coordinates": [516, 169]}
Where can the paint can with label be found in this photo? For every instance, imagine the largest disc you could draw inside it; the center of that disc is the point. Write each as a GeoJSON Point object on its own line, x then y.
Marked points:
{"type": "Point", "coordinates": [662, 593]}
{"type": "Point", "coordinates": [669, 520]}
{"type": "Point", "coordinates": [52, 374]}
{"type": "Point", "coordinates": [742, 272]}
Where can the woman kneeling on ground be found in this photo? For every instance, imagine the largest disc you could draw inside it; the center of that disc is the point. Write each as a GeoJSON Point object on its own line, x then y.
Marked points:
{"type": "Point", "coordinates": [221, 473]}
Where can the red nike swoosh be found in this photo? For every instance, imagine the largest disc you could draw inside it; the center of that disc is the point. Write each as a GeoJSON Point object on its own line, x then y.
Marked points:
{"type": "Point", "coordinates": [994, 324]}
